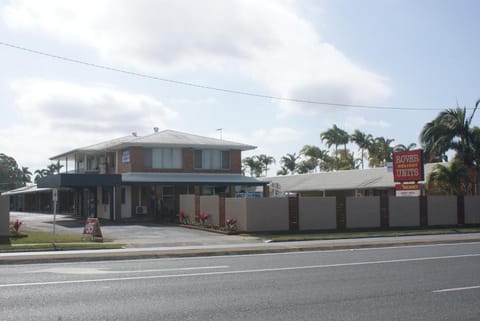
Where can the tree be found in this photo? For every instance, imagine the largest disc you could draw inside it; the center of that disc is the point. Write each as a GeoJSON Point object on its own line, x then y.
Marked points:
{"type": "Point", "coordinates": [39, 173]}
{"type": "Point", "coordinates": [380, 152]}
{"type": "Point", "coordinates": [289, 163]}
{"type": "Point", "coordinates": [315, 156]}
{"type": "Point", "coordinates": [306, 166]}
{"type": "Point", "coordinates": [265, 160]}
{"type": "Point", "coordinates": [10, 175]}
{"type": "Point", "coordinates": [26, 175]}
{"type": "Point", "coordinates": [363, 142]}
{"type": "Point", "coordinates": [403, 148]}
{"type": "Point", "coordinates": [254, 165]}
{"type": "Point", "coordinates": [335, 137]}
{"type": "Point", "coordinates": [452, 130]}
{"type": "Point", "coordinates": [450, 180]}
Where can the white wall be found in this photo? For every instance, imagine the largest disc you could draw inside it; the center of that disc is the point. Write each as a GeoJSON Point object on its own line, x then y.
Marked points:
{"type": "Point", "coordinates": [127, 207]}
{"type": "Point", "coordinates": [103, 210]}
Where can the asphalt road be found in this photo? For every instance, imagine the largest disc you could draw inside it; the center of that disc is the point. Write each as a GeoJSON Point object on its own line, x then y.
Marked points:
{"type": "Point", "coordinates": [438, 282]}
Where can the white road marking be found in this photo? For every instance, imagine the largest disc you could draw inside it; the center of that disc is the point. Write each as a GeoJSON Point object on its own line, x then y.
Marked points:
{"type": "Point", "coordinates": [88, 271]}
{"type": "Point", "coordinates": [457, 289]}
{"type": "Point", "coordinates": [306, 267]}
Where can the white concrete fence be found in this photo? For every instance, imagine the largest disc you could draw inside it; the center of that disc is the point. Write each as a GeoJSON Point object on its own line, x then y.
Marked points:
{"type": "Point", "coordinates": [322, 213]}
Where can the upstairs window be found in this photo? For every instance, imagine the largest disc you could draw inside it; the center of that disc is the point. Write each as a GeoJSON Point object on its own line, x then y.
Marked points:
{"type": "Point", "coordinates": [211, 159]}
{"type": "Point", "coordinates": [163, 158]}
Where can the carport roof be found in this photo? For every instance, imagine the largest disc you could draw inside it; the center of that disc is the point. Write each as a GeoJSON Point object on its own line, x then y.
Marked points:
{"type": "Point", "coordinates": [191, 178]}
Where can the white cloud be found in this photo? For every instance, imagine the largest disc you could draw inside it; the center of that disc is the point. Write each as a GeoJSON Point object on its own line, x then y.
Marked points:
{"type": "Point", "coordinates": [57, 116]}
{"type": "Point", "coordinates": [267, 41]}
{"type": "Point", "coordinates": [352, 123]}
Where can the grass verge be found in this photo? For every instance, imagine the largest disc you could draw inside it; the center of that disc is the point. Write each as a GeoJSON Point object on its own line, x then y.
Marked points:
{"type": "Point", "coordinates": [353, 234]}
{"type": "Point", "coordinates": [35, 241]}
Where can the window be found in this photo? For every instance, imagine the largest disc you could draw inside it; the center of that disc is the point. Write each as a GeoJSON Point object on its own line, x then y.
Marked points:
{"type": "Point", "coordinates": [162, 158]}
{"type": "Point", "coordinates": [211, 159]}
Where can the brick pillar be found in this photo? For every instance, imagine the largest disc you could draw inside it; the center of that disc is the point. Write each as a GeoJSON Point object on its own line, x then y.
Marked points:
{"type": "Point", "coordinates": [423, 211]}
{"type": "Point", "coordinates": [384, 211]}
{"type": "Point", "coordinates": [460, 209]}
{"type": "Point", "coordinates": [293, 217]}
{"type": "Point", "coordinates": [341, 206]}
{"type": "Point", "coordinates": [197, 202]}
{"type": "Point", "coordinates": [221, 211]}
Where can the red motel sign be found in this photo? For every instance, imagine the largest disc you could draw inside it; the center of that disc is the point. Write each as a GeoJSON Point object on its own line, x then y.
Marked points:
{"type": "Point", "coordinates": [408, 166]}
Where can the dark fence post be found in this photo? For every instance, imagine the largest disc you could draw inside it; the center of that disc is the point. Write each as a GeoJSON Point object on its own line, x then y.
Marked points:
{"type": "Point", "coordinates": [384, 211]}
{"type": "Point", "coordinates": [423, 211]}
{"type": "Point", "coordinates": [293, 216]}
{"type": "Point", "coordinates": [341, 207]}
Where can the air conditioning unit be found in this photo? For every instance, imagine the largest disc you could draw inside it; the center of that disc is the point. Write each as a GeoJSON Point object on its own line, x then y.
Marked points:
{"type": "Point", "coordinates": [141, 210]}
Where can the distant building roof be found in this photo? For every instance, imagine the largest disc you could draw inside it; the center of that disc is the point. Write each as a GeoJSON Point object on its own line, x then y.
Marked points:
{"type": "Point", "coordinates": [373, 178]}
{"type": "Point", "coordinates": [165, 138]}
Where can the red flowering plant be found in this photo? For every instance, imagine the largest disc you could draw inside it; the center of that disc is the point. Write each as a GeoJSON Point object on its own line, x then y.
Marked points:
{"type": "Point", "coordinates": [203, 217]}
{"type": "Point", "coordinates": [231, 224]}
{"type": "Point", "coordinates": [183, 217]}
{"type": "Point", "coordinates": [15, 227]}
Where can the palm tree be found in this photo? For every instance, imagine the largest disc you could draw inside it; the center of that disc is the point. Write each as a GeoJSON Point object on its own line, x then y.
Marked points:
{"type": "Point", "coordinates": [40, 173]}
{"type": "Point", "coordinates": [289, 162]}
{"type": "Point", "coordinates": [266, 161]}
{"type": "Point", "coordinates": [315, 155]}
{"type": "Point", "coordinates": [380, 152]}
{"type": "Point", "coordinates": [363, 142]}
{"type": "Point", "coordinates": [403, 148]}
{"type": "Point", "coordinates": [254, 165]}
{"type": "Point", "coordinates": [333, 137]}
{"type": "Point", "coordinates": [452, 130]}
{"type": "Point", "coordinates": [26, 175]}
{"type": "Point", "coordinates": [450, 180]}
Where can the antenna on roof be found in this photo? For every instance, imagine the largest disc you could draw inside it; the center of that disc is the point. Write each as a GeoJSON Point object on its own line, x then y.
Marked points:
{"type": "Point", "coordinates": [134, 134]}
{"type": "Point", "coordinates": [155, 129]}
{"type": "Point", "coordinates": [220, 130]}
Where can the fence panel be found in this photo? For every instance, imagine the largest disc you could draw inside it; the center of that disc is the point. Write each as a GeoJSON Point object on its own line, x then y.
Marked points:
{"type": "Point", "coordinates": [363, 212]}
{"type": "Point", "coordinates": [472, 209]}
{"type": "Point", "coordinates": [210, 205]}
{"type": "Point", "coordinates": [236, 208]}
{"type": "Point", "coordinates": [404, 211]}
{"type": "Point", "coordinates": [317, 213]}
{"type": "Point", "coordinates": [267, 214]}
{"type": "Point", "coordinates": [442, 210]}
{"type": "Point", "coordinates": [187, 205]}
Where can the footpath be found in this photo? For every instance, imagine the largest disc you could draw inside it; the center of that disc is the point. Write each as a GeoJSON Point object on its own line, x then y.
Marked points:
{"type": "Point", "coordinates": [232, 249]}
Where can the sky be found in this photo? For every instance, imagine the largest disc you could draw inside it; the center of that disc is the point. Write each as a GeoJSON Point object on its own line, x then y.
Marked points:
{"type": "Point", "coordinates": [184, 59]}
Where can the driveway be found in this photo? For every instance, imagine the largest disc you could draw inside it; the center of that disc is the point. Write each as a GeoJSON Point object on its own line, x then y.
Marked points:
{"type": "Point", "coordinates": [139, 235]}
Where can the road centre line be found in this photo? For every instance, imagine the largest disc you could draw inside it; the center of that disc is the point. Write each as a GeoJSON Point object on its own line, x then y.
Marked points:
{"type": "Point", "coordinates": [88, 270]}
{"type": "Point", "coordinates": [307, 267]}
{"type": "Point", "coordinates": [457, 289]}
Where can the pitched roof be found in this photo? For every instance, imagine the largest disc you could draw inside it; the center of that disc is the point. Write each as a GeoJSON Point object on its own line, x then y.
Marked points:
{"type": "Point", "coordinates": [191, 178]}
{"type": "Point", "coordinates": [339, 180]}
{"type": "Point", "coordinates": [165, 138]}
